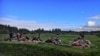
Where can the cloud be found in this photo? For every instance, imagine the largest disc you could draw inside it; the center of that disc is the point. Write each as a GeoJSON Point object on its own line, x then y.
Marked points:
{"type": "Point", "coordinates": [90, 26]}
{"type": "Point", "coordinates": [91, 23]}
{"type": "Point", "coordinates": [30, 24]}
{"type": "Point", "coordinates": [96, 17]}
{"type": "Point", "coordinates": [17, 23]}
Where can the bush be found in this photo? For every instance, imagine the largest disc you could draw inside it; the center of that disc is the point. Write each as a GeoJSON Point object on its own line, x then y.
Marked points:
{"type": "Point", "coordinates": [98, 35]}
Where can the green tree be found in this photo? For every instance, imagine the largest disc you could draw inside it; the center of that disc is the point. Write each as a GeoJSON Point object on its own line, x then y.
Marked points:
{"type": "Point", "coordinates": [39, 31]}
{"type": "Point", "coordinates": [24, 31]}
{"type": "Point", "coordinates": [56, 31]}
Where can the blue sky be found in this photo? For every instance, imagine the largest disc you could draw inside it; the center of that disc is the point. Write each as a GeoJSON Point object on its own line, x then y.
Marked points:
{"type": "Point", "coordinates": [68, 13]}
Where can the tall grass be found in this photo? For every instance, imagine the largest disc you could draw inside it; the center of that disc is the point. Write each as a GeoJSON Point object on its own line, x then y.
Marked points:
{"type": "Point", "coordinates": [19, 49]}
{"type": "Point", "coordinates": [27, 49]}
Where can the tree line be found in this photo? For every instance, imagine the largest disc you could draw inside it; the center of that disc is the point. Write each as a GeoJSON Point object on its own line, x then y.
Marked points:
{"type": "Point", "coordinates": [5, 29]}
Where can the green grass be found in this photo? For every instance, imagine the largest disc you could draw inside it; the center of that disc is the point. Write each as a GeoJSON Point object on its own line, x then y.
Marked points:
{"type": "Point", "coordinates": [31, 49]}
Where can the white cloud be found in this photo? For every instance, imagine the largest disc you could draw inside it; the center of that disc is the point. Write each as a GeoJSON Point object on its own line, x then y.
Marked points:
{"type": "Point", "coordinates": [95, 17]}
{"type": "Point", "coordinates": [80, 27]}
{"type": "Point", "coordinates": [30, 24]}
{"type": "Point", "coordinates": [90, 26]}
{"type": "Point", "coordinates": [91, 23]}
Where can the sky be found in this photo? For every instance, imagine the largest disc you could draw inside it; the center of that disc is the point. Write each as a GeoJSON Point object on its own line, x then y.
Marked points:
{"type": "Point", "coordinates": [49, 14]}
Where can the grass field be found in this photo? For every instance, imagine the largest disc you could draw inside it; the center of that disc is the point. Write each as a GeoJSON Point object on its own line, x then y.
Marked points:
{"type": "Point", "coordinates": [27, 49]}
